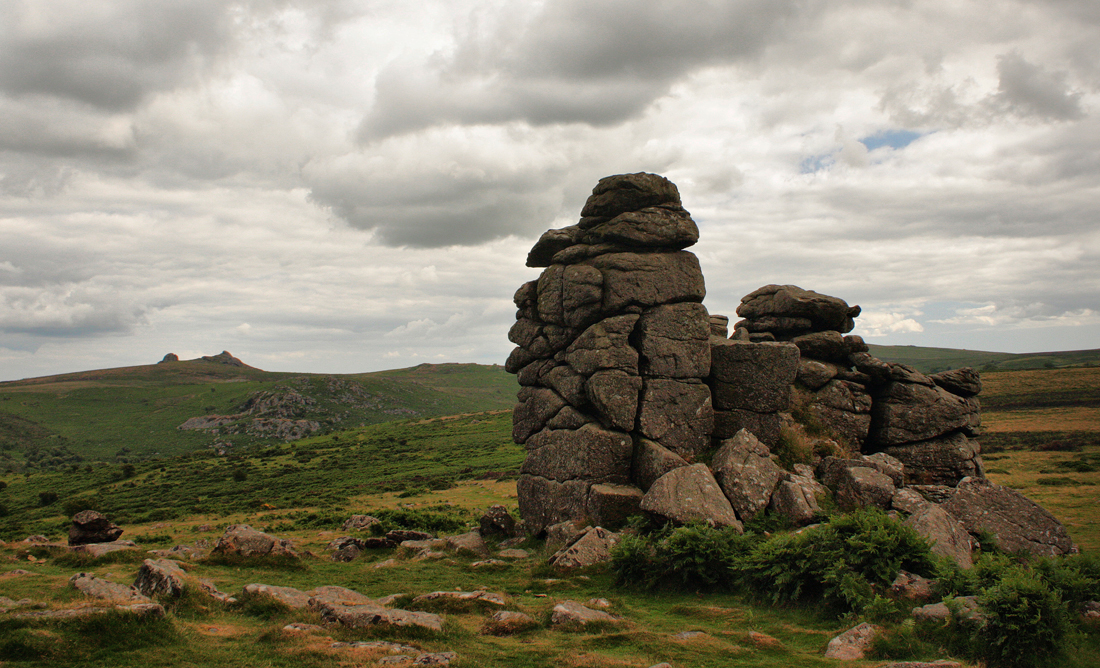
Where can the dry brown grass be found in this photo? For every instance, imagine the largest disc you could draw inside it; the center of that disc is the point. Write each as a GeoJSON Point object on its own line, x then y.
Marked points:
{"type": "Point", "coordinates": [1072, 418]}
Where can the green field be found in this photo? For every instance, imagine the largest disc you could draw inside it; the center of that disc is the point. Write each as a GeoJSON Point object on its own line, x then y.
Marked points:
{"type": "Point", "coordinates": [932, 360]}
{"type": "Point", "coordinates": [132, 414]}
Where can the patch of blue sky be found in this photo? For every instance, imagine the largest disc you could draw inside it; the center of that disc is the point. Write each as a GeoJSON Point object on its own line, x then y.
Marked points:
{"type": "Point", "coordinates": [893, 138]}
{"type": "Point", "coordinates": [816, 163]}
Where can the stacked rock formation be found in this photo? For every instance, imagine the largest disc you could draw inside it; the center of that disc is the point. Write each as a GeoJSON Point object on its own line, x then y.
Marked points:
{"type": "Point", "coordinates": [626, 381]}
{"type": "Point", "coordinates": [612, 352]}
{"type": "Point", "coordinates": [875, 406]}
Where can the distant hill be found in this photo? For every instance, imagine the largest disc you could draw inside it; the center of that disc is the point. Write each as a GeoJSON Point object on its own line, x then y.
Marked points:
{"type": "Point", "coordinates": [931, 360]}
{"type": "Point", "coordinates": [133, 413]}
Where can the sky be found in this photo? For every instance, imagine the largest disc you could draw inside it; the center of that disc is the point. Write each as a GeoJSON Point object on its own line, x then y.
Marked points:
{"type": "Point", "coordinates": [340, 186]}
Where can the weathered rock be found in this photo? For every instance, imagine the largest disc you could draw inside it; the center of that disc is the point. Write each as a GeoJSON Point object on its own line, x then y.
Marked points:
{"type": "Point", "coordinates": [614, 396]}
{"type": "Point", "coordinates": [550, 243]}
{"type": "Point", "coordinates": [908, 501]}
{"type": "Point", "coordinates": [345, 548]}
{"type": "Point", "coordinates": [795, 501]}
{"type": "Point", "coordinates": [617, 194]}
{"type": "Point", "coordinates": [508, 622]}
{"type": "Point", "coordinates": [719, 326]}
{"type": "Point", "coordinates": [469, 544]}
{"type": "Point", "coordinates": [536, 406]}
{"type": "Point", "coordinates": [570, 296]}
{"type": "Point", "coordinates": [140, 609]}
{"type": "Point", "coordinates": [949, 538]}
{"type": "Point", "coordinates": [571, 613]}
{"type": "Point", "coordinates": [746, 474]}
{"type": "Point", "coordinates": [674, 341]}
{"type": "Point", "coordinates": [651, 461]}
{"type": "Point", "coordinates": [91, 526]}
{"type": "Point", "coordinates": [210, 589]}
{"type": "Point", "coordinates": [544, 502]}
{"type": "Point", "coordinates": [563, 533]}
{"type": "Point", "coordinates": [913, 587]}
{"type": "Point", "coordinates": [860, 487]}
{"type": "Point", "coordinates": [690, 493]}
{"type": "Point", "coordinates": [677, 414]}
{"type": "Point", "coordinates": [853, 643]}
{"type": "Point", "coordinates": [940, 461]}
{"type": "Point", "coordinates": [967, 607]}
{"type": "Point", "coordinates": [752, 376]}
{"type": "Point", "coordinates": [887, 465]}
{"type": "Point", "coordinates": [479, 596]}
{"type": "Point", "coordinates": [814, 373]}
{"type": "Point", "coordinates": [288, 596]}
{"type": "Point", "coordinates": [372, 614]}
{"type": "Point", "coordinates": [907, 412]}
{"type": "Point", "coordinates": [647, 280]}
{"type": "Point", "coordinates": [160, 577]}
{"type": "Point", "coordinates": [658, 227]}
{"type": "Point", "coordinates": [514, 553]}
{"type": "Point", "coordinates": [333, 594]}
{"type": "Point", "coordinates": [843, 408]}
{"type": "Point", "coordinates": [765, 426]}
{"type": "Point", "coordinates": [604, 345]}
{"type": "Point", "coordinates": [791, 301]}
{"type": "Point", "coordinates": [90, 585]}
{"type": "Point", "coordinates": [399, 536]}
{"type": "Point", "coordinates": [100, 549]}
{"type": "Point", "coordinates": [360, 522]}
{"type": "Point", "coordinates": [590, 547]}
{"type": "Point", "coordinates": [497, 521]}
{"type": "Point", "coordinates": [611, 505]}
{"type": "Point", "coordinates": [1019, 524]}
{"type": "Point", "coordinates": [567, 383]}
{"type": "Point", "coordinates": [590, 453]}
{"type": "Point", "coordinates": [965, 382]}
{"type": "Point", "coordinates": [243, 540]}
{"type": "Point", "coordinates": [828, 346]}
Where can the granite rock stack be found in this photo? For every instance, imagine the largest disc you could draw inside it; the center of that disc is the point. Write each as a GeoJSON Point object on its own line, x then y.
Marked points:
{"type": "Point", "coordinates": [612, 351]}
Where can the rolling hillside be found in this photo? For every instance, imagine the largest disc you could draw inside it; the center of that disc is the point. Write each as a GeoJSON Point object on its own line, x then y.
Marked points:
{"type": "Point", "coordinates": [931, 360]}
{"type": "Point", "coordinates": [134, 413]}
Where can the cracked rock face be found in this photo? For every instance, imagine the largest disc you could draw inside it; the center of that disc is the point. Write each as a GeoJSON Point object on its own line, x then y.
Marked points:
{"type": "Point", "coordinates": [613, 344]}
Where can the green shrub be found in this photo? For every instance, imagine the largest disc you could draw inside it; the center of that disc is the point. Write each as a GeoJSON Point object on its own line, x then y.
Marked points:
{"type": "Point", "coordinates": [1026, 624]}
{"type": "Point", "coordinates": [843, 562]}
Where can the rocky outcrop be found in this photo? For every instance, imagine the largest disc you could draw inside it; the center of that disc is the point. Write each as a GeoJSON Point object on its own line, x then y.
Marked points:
{"type": "Point", "coordinates": [612, 349]}
{"type": "Point", "coordinates": [91, 526]}
{"type": "Point", "coordinates": [1019, 524]}
{"type": "Point", "coordinates": [243, 540]}
{"type": "Point", "coordinates": [627, 384]}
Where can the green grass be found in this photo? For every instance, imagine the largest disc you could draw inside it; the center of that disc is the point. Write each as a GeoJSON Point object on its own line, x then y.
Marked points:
{"type": "Point", "coordinates": [131, 414]}
{"type": "Point", "coordinates": [932, 360]}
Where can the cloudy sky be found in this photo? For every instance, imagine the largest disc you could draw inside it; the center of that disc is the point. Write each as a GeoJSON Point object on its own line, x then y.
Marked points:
{"type": "Point", "coordinates": [352, 185]}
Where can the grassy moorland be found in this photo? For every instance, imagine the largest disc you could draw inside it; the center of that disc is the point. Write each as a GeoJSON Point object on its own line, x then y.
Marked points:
{"type": "Point", "coordinates": [931, 360]}
{"type": "Point", "coordinates": [66, 422]}
{"type": "Point", "coordinates": [437, 474]}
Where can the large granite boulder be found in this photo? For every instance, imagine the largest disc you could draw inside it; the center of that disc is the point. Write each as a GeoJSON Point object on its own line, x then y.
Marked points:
{"type": "Point", "coordinates": [746, 474]}
{"type": "Point", "coordinates": [690, 493]}
{"type": "Point", "coordinates": [160, 577]}
{"type": "Point", "coordinates": [651, 461]}
{"type": "Point", "coordinates": [92, 526]}
{"type": "Point", "coordinates": [752, 376]}
{"type": "Point", "coordinates": [788, 309]}
{"type": "Point", "coordinates": [592, 546]}
{"type": "Point", "coordinates": [949, 538]}
{"type": "Point", "coordinates": [590, 453]}
{"type": "Point", "coordinates": [1019, 524]}
{"type": "Point", "coordinates": [913, 408]}
{"type": "Point", "coordinates": [944, 460]}
{"type": "Point", "coordinates": [243, 540]}
{"type": "Point", "coordinates": [844, 409]}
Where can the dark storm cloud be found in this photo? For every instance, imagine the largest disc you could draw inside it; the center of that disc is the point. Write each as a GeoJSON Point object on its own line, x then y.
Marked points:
{"type": "Point", "coordinates": [1030, 90]}
{"type": "Point", "coordinates": [109, 57]}
{"type": "Point", "coordinates": [598, 63]}
{"type": "Point", "coordinates": [438, 209]}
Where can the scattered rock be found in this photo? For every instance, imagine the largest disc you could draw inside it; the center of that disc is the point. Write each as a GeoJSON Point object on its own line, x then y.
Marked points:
{"type": "Point", "coordinates": [592, 546]}
{"type": "Point", "coordinates": [507, 622]}
{"type": "Point", "coordinates": [513, 553]}
{"type": "Point", "coordinates": [243, 540]}
{"type": "Point", "coordinates": [100, 549]}
{"type": "Point", "coordinates": [480, 596]}
{"type": "Point", "coordinates": [468, 544]}
{"type": "Point", "coordinates": [360, 522]}
{"type": "Point", "coordinates": [571, 613]}
{"type": "Point", "coordinates": [160, 577]}
{"type": "Point", "coordinates": [497, 521]}
{"type": "Point", "coordinates": [853, 643]}
{"type": "Point", "coordinates": [90, 585]}
{"type": "Point", "coordinates": [372, 614]}
{"type": "Point", "coordinates": [911, 586]}
{"type": "Point", "coordinates": [746, 474]}
{"type": "Point", "coordinates": [92, 526]}
{"type": "Point", "coordinates": [949, 538]}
